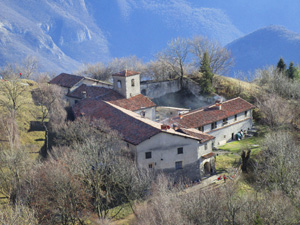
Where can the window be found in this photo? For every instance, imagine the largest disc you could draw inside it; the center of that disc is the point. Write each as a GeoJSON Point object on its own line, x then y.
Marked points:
{"type": "Point", "coordinates": [225, 121]}
{"type": "Point", "coordinates": [246, 113]}
{"type": "Point", "coordinates": [212, 145]}
{"type": "Point", "coordinates": [180, 150]}
{"type": "Point", "coordinates": [214, 125]}
{"type": "Point", "coordinates": [119, 84]}
{"type": "Point", "coordinates": [235, 117]}
{"type": "Point", "coordinates": [148, 155]}
{"type": "Point", "coordinates": [150, 166]}
{"type": "Point", "coordinates": [201, 128]}
{"type": "Point", "coordinates": [178, 165]}
{"type": "Point", "coordinates": [205, 147]}
{"type": "Point", "coordinates": [132, 82]}
{"type": "Point", "coordinates": [76, 101]}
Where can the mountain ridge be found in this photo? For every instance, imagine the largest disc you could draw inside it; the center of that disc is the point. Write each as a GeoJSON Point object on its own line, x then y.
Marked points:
{"type": "Point", "coordinates": [264, 47]}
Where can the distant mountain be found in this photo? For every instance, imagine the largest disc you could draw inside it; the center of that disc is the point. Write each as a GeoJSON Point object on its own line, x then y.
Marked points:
{"type": "Point", "coordinates": [60, 33]}
{"type": "Point", "coordinates": [63, 34]}
{"type": "Point", "coordinates": [265, 47]}
{"type": "Point", "coordinates": [143, 27]}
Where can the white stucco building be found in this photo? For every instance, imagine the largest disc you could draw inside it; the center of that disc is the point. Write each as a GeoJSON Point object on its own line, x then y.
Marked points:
{"type": "Point", "coordinates": [182, 146]}
{"type": "Point", "coordinates": [222, 120]}
{"type": "Point", "coordinates": [69, 82]}
{"type": "Point", "coordinates": [184, 153]}
{"type": "Point", "coordinates": [124, 92]}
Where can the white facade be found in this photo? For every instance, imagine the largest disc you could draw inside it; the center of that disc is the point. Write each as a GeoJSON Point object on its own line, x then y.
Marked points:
{"type": "Point", "coordinates": [168, 152]}
{"type": "Point", "coordinates": [127, 86]}
{"type": "Point", "coordinates": [150, 113]}
{"type": "Point", "coordinates": [91, 82]}
{"type": "Point", "coordinates": [226, 130]}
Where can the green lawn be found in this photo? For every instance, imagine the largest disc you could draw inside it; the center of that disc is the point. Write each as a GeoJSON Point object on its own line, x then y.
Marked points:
{"type": "Point", "coordinates": [252, 143]}
{"type": "Point", "coordinates": [125, 211]}
{"type": "Point", "coordinates": [224, 162]}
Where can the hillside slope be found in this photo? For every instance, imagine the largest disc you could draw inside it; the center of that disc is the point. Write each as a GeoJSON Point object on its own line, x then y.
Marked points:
{"type": "Point", "coordinates": [264, 47]}
{"type": "Point", "coordinates": [61, 34]}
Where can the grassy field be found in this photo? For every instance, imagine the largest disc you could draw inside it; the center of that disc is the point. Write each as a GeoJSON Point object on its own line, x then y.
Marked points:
{"type": "Point", "coordinates": [231, 156]}
{"type": "Point", "coordinates": [231, 88]}
{"type": "Point", "coordinates": [225, 162]}
{"type": "Point", "coordinates": [237, 147]}
{"type": "Point", "coordinates": [32, 140]}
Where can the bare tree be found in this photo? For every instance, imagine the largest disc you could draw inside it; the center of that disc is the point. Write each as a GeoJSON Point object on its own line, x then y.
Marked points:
{"type": "Point", "coordinates": [14, 164]}
{"type": "Point", "coordinates": [103, 72]}
{"type": "Point", "coordinates": [160, 70]}
{"type": "Point", "coordinates": [279, 167]}
{"type": "Point", "coordinates": [175, 56]}
{"type": "Point", "coordinates": [28, 68]}
{"type": "Point", "coordinates": [275, 111]}
{"type": "Point", "coordinates": [273, 81]}
{"type": "Point", "coordinates": [56, 195]}
{"type": "Point", "coordinates": [220, 58]}
{"type": "Point", "coordinates": [98, 71]}
{"type": "Point", "coordinates": [12, 100]}
{"type": "Point", "coordinates": [100, 158]}
{"type": "Point", "coordinates": [164, 206]}
{"type": "Point", "coordinates": [17, 214]}
{"type": "Point", "coordinates": [11, 96]}
{"type": "Point", "coordinates": [49, 99]}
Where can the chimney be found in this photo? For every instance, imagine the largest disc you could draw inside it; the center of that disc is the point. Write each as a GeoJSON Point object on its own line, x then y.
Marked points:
{"type": "Point", "coordinates": [219, 104]}
{"type": "Point", "coordinates": [83, 94]}
{"type": "Point", "coordinates": [164, 127]}
{"type": "Point", "coordinates": [176, 126]}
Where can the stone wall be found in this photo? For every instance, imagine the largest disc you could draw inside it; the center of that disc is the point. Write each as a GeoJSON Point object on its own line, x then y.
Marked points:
{"type": "Point", "coordinates": [157, 89]}
{"type": "Point", "coordinates": [192, 86]}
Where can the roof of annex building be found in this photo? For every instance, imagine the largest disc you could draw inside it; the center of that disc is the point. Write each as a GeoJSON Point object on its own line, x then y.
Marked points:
{"type": "Point", "coordinates": [66, 80]}
{"type": "Point", "coordinates": [213, 113]}
{"type": "Point", "coordinates": [131, 126]}
{"type": "Point", "coordinates": [69, 80]}
{"type": "Point", "coordinates": [134, 103]}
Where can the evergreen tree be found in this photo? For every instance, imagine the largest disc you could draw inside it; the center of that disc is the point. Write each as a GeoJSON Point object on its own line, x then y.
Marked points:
{"type": "Point", "coordinates": [292, 72]}
{"type": "Point", "coordinates": [281, 66]}
{"type": "Point", "coordinates": [207, 75]}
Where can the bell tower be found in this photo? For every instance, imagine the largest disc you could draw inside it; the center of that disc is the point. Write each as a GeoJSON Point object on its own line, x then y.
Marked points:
{"type": "Point", "coordinates": [127, 83]}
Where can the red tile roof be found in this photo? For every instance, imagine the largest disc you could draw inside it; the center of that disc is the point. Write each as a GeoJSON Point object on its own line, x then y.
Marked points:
{"type": "Point", "coordinates": [91, 92]}
{"type": "Point", "coordinates": [209, 155]}
{"type": "Point", "coordinates": [134, 103]}
{"type": "Point", "coordinates": [126, 73]}
{"type": "Point", "coordinates": [204, 116]}
{"type": "Point", "coordinates": [66, 80]}
{"type": "Point", "coordinates": [196, 133]}
{"type": "Point", "coordinates": [132, 130]}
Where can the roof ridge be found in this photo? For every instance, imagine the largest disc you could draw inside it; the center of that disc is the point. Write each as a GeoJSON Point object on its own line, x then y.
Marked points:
{"type": "Point", "coordinates": [210, 106]}
{"type": "Point", "coordinates": [149, 122]}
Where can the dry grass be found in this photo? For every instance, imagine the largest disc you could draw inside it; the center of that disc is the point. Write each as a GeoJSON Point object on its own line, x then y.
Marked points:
{"type": "Point", "coordinates": [231, 88]}
{"type": "Point", "coordinates": [28, 112]}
